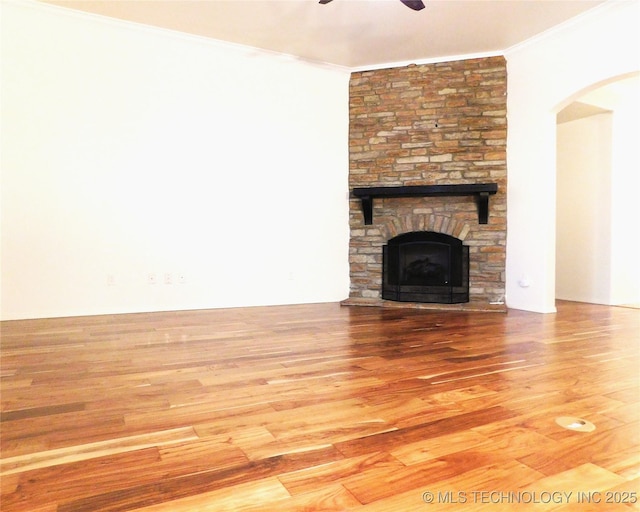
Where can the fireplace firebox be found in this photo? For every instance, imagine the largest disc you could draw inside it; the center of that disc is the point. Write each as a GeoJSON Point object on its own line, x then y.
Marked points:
{"type": "Point", "coordinates": [425, 266]}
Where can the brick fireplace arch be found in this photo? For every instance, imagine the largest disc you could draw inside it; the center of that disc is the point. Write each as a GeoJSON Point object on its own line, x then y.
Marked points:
{"type": "Point", "coordinates": [424, 222]}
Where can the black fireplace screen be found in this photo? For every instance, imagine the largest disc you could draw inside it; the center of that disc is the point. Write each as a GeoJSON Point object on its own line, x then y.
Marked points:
{"type": "Point", "coordinates": [424, 266]}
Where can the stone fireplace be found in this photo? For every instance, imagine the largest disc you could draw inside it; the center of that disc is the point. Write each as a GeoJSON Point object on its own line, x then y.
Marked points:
{"type": "Point", "coordinates": [430, 128]}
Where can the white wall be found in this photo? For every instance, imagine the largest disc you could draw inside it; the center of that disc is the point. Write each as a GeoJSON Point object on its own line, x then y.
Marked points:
{"type": "Point", "coordinates": [129, 151]}
{"type": "Point", "coordinates": [544, 75]}
{"type": "Point", "coordinates": [583, 215]}
{"type": "Point", "coordinates": [123, 150]}
{"type": "Point", "coordinates": [625, 212]}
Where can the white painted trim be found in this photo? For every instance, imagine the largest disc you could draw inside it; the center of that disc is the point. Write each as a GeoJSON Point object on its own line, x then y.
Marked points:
{"type": "Point", "coordinates": [560, 27]}
{"type": "Point", "coordinates": [241, 49]}
{"type": "Point", "coordinates": [434, 60]}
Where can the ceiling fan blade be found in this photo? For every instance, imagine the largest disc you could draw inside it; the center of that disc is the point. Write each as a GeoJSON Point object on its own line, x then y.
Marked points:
{"type": "Point", "coordinates": [416, 5]}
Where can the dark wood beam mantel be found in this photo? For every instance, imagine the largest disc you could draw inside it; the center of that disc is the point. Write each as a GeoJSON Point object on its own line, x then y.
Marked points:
{"type": "Point", "coordinates": [481, 192]}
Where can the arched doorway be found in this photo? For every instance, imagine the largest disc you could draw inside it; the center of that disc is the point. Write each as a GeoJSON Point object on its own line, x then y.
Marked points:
{"type": "Point", "coordinates": [598, 175]}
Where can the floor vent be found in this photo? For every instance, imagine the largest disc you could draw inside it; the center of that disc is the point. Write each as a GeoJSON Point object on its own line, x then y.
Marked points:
{"type": "Point", "coordinates": [577, 424]}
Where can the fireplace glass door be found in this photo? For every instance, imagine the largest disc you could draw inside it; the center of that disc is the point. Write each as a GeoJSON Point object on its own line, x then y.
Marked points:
{"type": "Point", "coordinates": [424, 266]}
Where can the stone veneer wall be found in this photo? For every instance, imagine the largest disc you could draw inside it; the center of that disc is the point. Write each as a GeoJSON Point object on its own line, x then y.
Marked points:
{"type": "Point", "coordinates": [443, 123]}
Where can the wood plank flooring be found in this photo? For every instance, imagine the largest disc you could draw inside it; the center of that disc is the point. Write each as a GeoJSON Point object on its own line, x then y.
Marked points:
{"type": "Point", "coordinates": [321, 407]}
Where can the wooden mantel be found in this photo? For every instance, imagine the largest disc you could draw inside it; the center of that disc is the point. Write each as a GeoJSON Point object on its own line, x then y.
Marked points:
{"type": "Point", "coordinates": [481, 192]}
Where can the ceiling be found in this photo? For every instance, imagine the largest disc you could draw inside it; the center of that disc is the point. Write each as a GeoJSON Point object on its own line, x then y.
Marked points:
{"type": "Point", "coordinates": [356, 34]}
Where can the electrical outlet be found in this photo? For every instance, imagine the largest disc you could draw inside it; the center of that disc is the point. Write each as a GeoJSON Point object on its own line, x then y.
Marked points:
{"type": "Point", "coordinates": [152, 278]}
{"type": "Point", "coordinates": [111, 280]}
{"type": "Point", "coordinates": [182, 279]}
{"type": "Point", "coordinates": [168, 278]}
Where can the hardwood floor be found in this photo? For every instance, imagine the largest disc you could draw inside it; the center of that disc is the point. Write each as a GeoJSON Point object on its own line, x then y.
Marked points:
{"type": "Point", "coordinates": [322, 407]}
